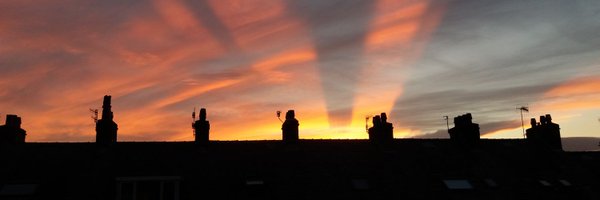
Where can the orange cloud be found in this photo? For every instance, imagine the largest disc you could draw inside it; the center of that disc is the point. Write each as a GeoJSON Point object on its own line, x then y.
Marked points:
{"type": "Point", "coordinates": [397, 35]}
{"type": "Point", "coordinates": [255, 24]}
{"type": "Point", "coordinates": [239, 13]}
{"type": "Point", "coordinates": [400, 23]}
{"type": "Point", "coordinates": [579, 86]}
{"type": "Point", "coordinates": [60, 66]}
{"type": "Point", "coordinates": [579, 93]}
{"type": "Point", "coordinates": [268, 66]}
{"type": "Point", "coordinates": [178, 16]}
{"type": "Point", "coordinates": [195, 91]}
{"type": "Point", "coordinates": [397, 22]}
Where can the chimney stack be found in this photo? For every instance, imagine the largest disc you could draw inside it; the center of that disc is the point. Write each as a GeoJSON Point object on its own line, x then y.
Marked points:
{"type": "Point", "coordinates": [464, 132]}
{"type": "Point", "coordinates": [382, 131]}
{"type": "Point", "coordinates": [11, 132]}
{"type": "Point", "coordinates": [201, 128]}
{"type": "Point", "coordinates": [290, 127]}
{"type": "Point", "coordinates": [106, 128]}
{"type": "Point", "coordinates": [544, 135]}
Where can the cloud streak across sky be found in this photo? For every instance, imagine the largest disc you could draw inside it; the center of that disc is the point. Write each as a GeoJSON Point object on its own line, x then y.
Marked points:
{"type": "Point", "coordinates": [333, 61]}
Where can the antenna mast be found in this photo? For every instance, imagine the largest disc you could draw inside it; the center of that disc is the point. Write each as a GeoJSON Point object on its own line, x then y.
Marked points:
{"type": "Point", "coordinates": [194, 115]}
{"type": "Point", "coordinates": [367, 123]}
{"type": "Point", "coordinates": [193, 120]}
{"type": "Point", "coordinates": [279, 116]}
{"type": "Point", "coordinates": [447, 125]}
{"type": "Point", "coordinates": [521, 109]}
{"type": "Point", "coordinates": [94, 115]}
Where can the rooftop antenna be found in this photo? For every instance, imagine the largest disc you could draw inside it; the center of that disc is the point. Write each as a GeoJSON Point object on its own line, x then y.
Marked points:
{"type": "Point", "coordinates": [193, 120]}
{"type": "Point", "coordinates": [367, 123]}
{"type": "Point", "coordinates": [447, 125]}
{"type": "Point", "coordinates": [521, 109]}
{"type": "Point", "coordinates": [279, 116]}
{"type": "Point", "coordinates": [194, 115]}
{"type": "Point", "coordinates": [94, 115]}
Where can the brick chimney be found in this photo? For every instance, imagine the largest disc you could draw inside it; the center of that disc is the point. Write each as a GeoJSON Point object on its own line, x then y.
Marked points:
{"type": "Point", "coordinates": [11, 132]}
{"type": "Point", "coordinates": [106, 128]}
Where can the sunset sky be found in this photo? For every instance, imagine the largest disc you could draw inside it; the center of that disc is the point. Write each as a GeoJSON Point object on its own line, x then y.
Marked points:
{"type": "Point", "coordinates": [333, 61]}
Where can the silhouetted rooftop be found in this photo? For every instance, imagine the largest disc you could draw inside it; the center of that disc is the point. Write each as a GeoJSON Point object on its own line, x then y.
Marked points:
{"type": "Point", "coordinates": [310, 169]}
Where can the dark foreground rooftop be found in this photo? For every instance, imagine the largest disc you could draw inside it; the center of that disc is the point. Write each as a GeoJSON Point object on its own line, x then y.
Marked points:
{"type": "Point", "coordinates": [309, 169]}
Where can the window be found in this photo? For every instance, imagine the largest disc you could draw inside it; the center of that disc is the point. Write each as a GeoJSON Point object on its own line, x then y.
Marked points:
{"type": "Point", "coordinates": [490, 182]}
{"type": "Point", "coordinates": [565, 182]}
{"type": "Point", "coordinates": [254, 182]}
{"type": "Point", "coordinates": [545, 183]}
{"type": "Point", "coordinates": [148, 187]}
{"type": "Point", "coordinates": [458, 184]}
{"type": "Point", "coordinates": [360, 184]}
{"type": "Point", "coordinates": [18, 190]}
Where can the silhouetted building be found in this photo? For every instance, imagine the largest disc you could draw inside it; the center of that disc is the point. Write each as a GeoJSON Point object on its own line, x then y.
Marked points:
{"type": "Point", "coordinates": [464, 131]}
{"type": "Point", "coordinates": [106, 128]}
{"type": "Point", "coordinates": [11, 132]}
{"type": "Point", "coordinates": [382, 131]}
{"type": "Point", "coordinates": [311, 169]}
{"type": "Point", "coordinates": [290, 127]}
{"type": "Point", "coordinates": [201, 128]}
{"type": "Point", "coordinates": [544, 134]}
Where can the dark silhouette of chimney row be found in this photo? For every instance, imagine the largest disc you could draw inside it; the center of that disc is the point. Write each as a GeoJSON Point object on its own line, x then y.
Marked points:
{"type": "Point", "coordinates": [11, 132]}
{"type": "Point", "coordinates": [106, 128]}
{"type": "Point", "coordinates": [544, 134]}
{"type": "Point", "coordinates": [201, 128]}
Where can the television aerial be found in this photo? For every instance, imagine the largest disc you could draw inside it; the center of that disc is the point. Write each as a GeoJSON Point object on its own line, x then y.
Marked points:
{"type": "Point", "coordinates": [367, 117]}
{"type": "Point", "coordinates": [94, 114]}
{"type": "Point", "coordinates": [447, 124]}
{"type": "Point", "coordinates": [193, 121]}
{"type": "Point", "coordinates": [279, 116]}
{"type": "Point", "coordinates": [194, 115]}
{"type": "Point", "coordinates": [521, 109]}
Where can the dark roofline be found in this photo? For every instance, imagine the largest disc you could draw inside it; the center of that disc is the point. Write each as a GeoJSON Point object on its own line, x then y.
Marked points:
{"type": "Point", "coordinates": [306, 140]}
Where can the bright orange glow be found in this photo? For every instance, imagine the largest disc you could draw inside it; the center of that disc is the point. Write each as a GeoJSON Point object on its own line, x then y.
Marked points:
{"type": "Point", "coordinates": [580, 93]}
{"type": "Point", "coordinates": [515, 132]}
{"type": "Point", "coordinates": [580, 86]}
{"type": "Point", "coordinates": [572, 104]}
{"type": "Point", "coordinates": [406, 133]}
{"type": "Point", "coordinates": [404, 25]}
{"type": "Point", "coordinates": [244, 60]}
{"type": "Point", "coordinates": [241, 60]}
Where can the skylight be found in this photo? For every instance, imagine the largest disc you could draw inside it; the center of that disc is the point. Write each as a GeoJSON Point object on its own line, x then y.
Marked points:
{"type": "Point", "coordinates": [18, 189]}
{"type": "Point", "coordinates": [360, 184]}
{"type": "Point", "coordinates": [254, 182]}
{"type": "Point", "coordinates": [458, 184]}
